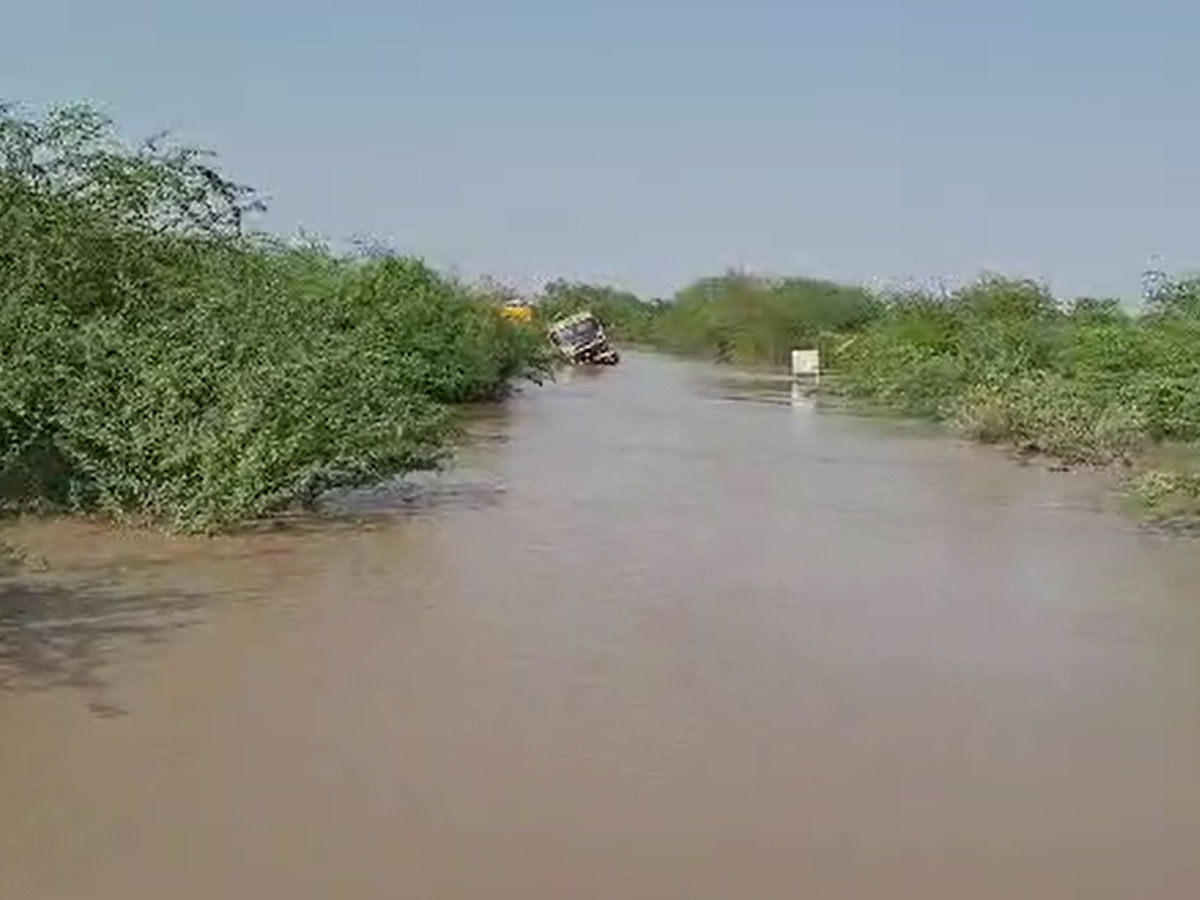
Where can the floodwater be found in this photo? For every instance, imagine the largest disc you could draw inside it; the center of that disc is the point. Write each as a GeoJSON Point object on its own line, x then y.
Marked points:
{"type": "Point", "coordinates": [664, 633]}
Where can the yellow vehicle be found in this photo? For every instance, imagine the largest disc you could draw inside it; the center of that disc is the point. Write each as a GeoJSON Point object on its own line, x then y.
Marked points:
{"type": "Point", "coordinates": [581, 339]}
{"type": "Point", "coordinates": [517, 310]}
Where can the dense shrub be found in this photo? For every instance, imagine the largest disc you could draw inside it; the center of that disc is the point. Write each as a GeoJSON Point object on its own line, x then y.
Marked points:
{"type": "Point", "coordinates": [748, 319]}
{"type": "Point", "coordinates": [1006, 363]}
{"type": "Point", "coordinates": [156, 360]}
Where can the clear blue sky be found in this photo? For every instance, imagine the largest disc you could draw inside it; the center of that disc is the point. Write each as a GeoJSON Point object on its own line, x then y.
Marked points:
{"type": "Point", "coordinates": [648, 143]}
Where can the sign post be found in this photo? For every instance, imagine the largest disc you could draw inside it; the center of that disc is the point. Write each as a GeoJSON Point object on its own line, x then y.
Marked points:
{"type": "Point", "coordinates": [807, 363]}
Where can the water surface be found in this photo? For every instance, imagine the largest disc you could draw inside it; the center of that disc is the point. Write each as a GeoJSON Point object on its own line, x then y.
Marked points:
{"type": "Point", "coordinates": [661, 634]}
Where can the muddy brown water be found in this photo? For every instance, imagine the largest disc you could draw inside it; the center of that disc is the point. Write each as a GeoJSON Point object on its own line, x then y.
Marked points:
{"type": "Point", "coordinates": [661, 634]}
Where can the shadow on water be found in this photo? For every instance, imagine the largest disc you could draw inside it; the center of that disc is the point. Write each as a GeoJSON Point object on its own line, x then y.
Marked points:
{"type": "Point", "coordinates": [415, 494]}
{"type": "Point", "coordinates": [108, 593]}
{"type": "Point", "coordinates": [57, 634]}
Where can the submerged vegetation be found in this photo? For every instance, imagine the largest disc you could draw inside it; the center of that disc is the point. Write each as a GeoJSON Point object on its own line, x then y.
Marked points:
{"type": "Point", "coordinates": [161, 361]}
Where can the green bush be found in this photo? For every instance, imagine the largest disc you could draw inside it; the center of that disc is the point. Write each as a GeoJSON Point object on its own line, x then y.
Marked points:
{"type": "Point", "coordinates": [160, 362]}
{"type": "Point", "coordinates": [1004, 363]}
{"type": "Point", "coordinates": [748, 319]}
{"type": "Point", "coordinates": [733, 317]}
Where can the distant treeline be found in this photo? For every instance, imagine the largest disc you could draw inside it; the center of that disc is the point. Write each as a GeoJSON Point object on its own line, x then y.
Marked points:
{"type": "Point", "coordinates": [734, 317]}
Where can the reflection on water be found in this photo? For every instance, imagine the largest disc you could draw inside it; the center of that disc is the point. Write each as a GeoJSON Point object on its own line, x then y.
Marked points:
{"type": "Point", "coordinates": [664, 632]}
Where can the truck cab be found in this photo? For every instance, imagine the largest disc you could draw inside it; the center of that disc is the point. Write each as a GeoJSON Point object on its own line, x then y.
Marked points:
{"type": "Point", "coordinates": [580, 338]}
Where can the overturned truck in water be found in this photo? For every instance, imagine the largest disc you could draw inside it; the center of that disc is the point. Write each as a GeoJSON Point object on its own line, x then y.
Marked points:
{"type": "Point", "coordinates": [580, 338]}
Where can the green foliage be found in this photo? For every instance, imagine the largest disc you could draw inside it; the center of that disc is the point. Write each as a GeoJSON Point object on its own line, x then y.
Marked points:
{"type": "Point", "coordinates": [744, 318]}
{"type": "Point", "coordinates": [160, 362]}
{"type": "Point", "coordinates": [734, 317]}
{"type": "Point", "coordinates": [1002, 361]}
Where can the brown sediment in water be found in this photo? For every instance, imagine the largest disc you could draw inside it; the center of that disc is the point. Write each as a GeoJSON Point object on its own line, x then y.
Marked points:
{"type": "Point", "coordinates": [647, 640]}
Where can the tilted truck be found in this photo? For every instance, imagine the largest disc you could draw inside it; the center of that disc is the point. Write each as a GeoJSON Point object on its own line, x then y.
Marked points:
{"type": "Point", "coordinates": [580, 338]}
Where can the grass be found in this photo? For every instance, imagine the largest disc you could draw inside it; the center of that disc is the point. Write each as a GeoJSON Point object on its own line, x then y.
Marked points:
{"type": "Point", "coordinates": [160, 363]}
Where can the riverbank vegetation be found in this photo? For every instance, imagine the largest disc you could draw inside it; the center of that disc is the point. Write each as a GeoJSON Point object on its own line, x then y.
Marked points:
{"type": "Point", "coordinates": [1000, 360]}
{"type": "Point", "coordinates": [746, 319]}
{"type": "Point", "coordinates": [1089, 383]}
{"type": "Point", "coordinates": [159, 361]}
{"type": "Point", "coordinates": [735, 317]}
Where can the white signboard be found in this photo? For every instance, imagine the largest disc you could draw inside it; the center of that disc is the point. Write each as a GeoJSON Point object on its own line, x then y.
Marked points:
{"type": "Point", "coordinates": [806, 362]}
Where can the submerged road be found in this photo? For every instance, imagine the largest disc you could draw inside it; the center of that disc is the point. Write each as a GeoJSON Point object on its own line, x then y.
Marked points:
{"type": "Point", "coordinates": [661, 634]}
